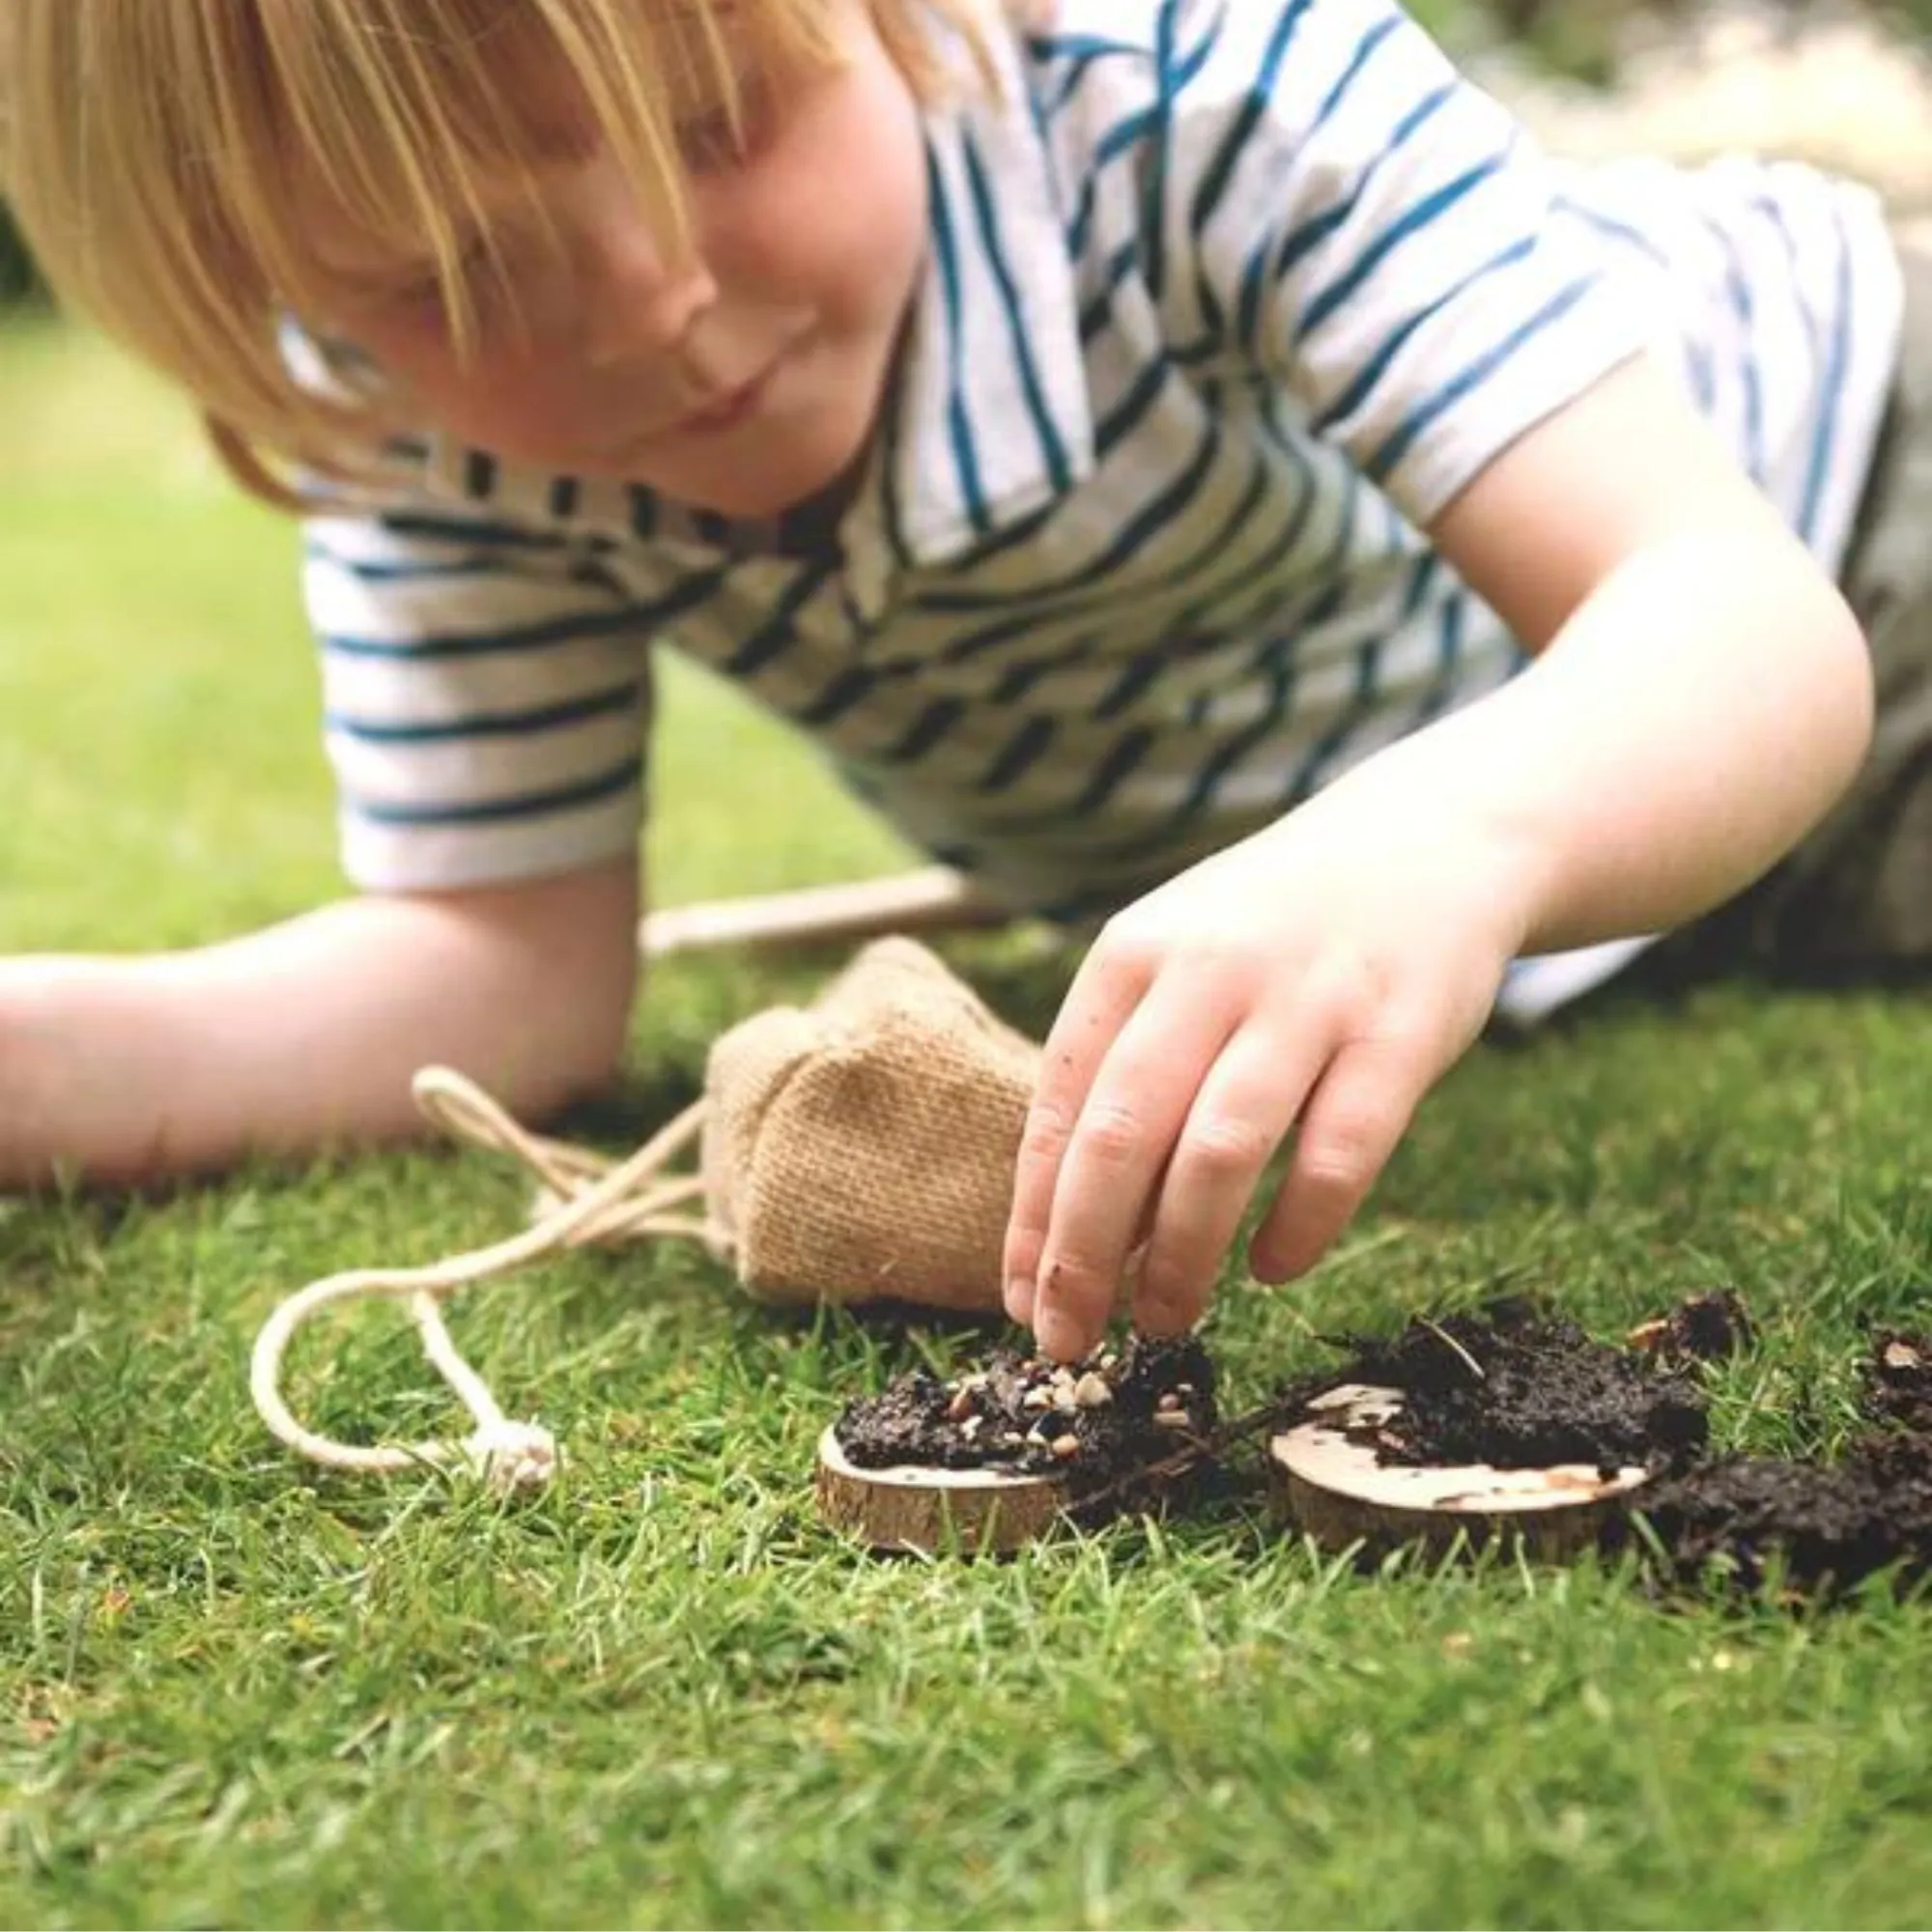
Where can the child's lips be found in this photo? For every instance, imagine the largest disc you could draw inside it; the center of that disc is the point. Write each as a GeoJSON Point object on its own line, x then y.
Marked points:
{"type": "Point", "coordinates": [731, 408]}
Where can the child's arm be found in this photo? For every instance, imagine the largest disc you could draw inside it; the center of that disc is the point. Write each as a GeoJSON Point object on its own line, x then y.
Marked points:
{"type": "Point", "coordinates": [307, 1033]}
{"type": "Point", "coordinates": [1704, 697]}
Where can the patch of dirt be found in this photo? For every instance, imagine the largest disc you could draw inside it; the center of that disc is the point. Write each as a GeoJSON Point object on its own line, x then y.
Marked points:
{"type": "Point", "coordinates": [1512, 1387]}
{"type": "Point", "coordinates": [1816, 1528]}
{"type": "Point", "coordinates": [1898, 1381]}
{"type": "Point", "coordinates": [1819, 1528]}
{"type": "Point", "coordinates": [1517, 1388]}
{"type": "Point", "coordinates": [1510, 1384]}
{"type": "Point", "coordinates": [1706, 1328]}
{"type": "Point", "coordinates": [1097, 1424]}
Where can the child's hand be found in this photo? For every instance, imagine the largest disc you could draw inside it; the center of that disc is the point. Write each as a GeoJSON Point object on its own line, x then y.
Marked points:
{"type": "Point", "coordinates": [1318, 976]}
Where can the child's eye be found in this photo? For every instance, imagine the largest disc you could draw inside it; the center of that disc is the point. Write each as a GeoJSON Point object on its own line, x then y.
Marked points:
{"type": "Point", "coordinates": [427, 294]}
{"type": "Point", "coordinates": [713, 141]}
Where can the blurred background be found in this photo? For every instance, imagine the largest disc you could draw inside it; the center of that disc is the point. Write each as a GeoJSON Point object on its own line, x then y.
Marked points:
{"type": "Point", "coordinates": [1595, 45]}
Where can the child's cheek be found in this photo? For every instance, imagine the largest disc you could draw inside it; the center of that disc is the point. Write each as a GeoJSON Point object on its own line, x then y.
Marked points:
{"type": "Point", "coordinates": [792, 243]}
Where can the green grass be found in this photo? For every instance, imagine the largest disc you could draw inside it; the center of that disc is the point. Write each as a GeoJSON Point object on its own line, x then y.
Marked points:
{"type": "Point", "coordinates": [235, 1691]}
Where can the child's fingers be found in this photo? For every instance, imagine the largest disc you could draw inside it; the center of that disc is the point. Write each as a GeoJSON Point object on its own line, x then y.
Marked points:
{"type": "Point", "coordinates": [1121, 1145]}
{"type": "Point", "coordinates": [1097, 1005]}
{"type": "Point", "coordinates": [1245, 1106]}
{"type": "Point", "coordinates": [1358, 1113]}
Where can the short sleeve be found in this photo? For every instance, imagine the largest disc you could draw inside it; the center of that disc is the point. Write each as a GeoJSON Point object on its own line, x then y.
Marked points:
{"type": "Point", "coordinates": [487, 696]}
{"type": "Point", "coordinates": [1341, 207]}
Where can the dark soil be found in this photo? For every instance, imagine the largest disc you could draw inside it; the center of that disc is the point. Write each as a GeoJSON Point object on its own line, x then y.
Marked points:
{"type": "Point", "coordinates": [1898, 1381]}
{"type": "Point", "coordinates": [1706, 1328]}
{"type": "Point", "coordinates": [1512, 1386]}
{"type": "Point", "coordinates": [1817, 1527]}
{"type": "Point", "coordinates": [1097, 1423]}
{"type": "Point", "coordinates": [1520, 1389]}
{"type": "Point", "coordinates": [1515, 1387]}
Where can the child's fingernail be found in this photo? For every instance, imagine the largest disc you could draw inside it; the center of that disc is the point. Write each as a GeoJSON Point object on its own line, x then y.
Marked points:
{"type": "Point", "coordinates": [1019, 1298]}
{"type": "Point", "coordinates": [1056, 1337]}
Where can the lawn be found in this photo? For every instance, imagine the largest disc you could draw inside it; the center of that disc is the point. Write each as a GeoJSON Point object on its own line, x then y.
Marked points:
{"type": "Point", "coordinates": [240, 1692]}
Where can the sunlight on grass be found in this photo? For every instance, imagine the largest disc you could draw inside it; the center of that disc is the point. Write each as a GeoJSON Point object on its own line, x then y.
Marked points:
{"type": "Point", "coordinates": [144, 597]}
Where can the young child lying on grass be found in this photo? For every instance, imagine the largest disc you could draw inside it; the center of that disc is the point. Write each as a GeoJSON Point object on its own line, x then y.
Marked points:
{"type": "Point", "coordinates": [1193, 464]}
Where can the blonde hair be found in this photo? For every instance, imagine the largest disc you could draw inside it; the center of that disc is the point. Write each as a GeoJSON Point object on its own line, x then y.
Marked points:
{"type": "Point", "coordinates": [154, 152]}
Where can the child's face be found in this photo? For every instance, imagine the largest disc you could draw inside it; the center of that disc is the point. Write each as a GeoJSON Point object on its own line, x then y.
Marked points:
{"type": "Point", "coordinates": [743, 375]}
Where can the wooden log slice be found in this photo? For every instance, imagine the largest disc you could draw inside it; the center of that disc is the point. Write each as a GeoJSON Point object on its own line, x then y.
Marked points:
{"type": "Point", "coordinates": [908, 1506]}
{"type": "Point", "coordinates": [1329, 1484]}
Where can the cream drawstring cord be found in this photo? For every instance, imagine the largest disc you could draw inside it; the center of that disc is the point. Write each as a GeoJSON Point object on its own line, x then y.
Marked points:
{"type": "Point", "coordinates": [584, 1201]}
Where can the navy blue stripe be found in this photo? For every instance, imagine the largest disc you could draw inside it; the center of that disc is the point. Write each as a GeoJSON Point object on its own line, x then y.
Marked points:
{"type": "Point", "coordinates": [1136, 533]}
{"type": "Point", "coordinates": [1096, 312]}
{"type": "Point", "coordinates": [1078, 53]}
{"type": "Point", "coordinates": [1612, 229]}
{"type": "Point", "coordinates": [1019, 754]}
{"type": "Point", "coordinates": [1132, 409]}
{"type": "Point", "coordinates": [779, 632]}
{"type": "Point", "coordinates": [959, 421]}
{"type": "Point", "coordinates": [1052, 44]}
{"type": "Point", "coordinates": [1427, 212]}
{"type": "Point", "coordinates": [1221, 164]}
{"type": "Point", "coordinates": [461, 530]}
{"type": "Point", "coordinates": [1214, 774]}
{"type": "Point", "coordinates": [1450, 625]}
{"type": "Point", "coordinates": [1371, 373]}
{"type": "Point", "coordinates": [580, 627]}
{"type": "Point", "coordinates": [1124, 136]}
{"type": "Point", "coordinates": [525, 805]}
{"type": "Point", "coordinates": [1365, 48]}
{"type": "Point", "coordinates": [851, 685]}
{"type": "Point", "coordinates": [1126, 756]}
{"type": "Point", "coordinates": [1831, 402]}
{"type": "Point", "coordinates": [1153, 198]}
{"type": "Point", "coordinates": [1059, 466]}
{"type": "Point", "coordinates": [409, 571]}
{"type": "Point", "coordinates": [1018, 680]}
{"type": "Point", "coordinates": [619, 699]}
{"type": "Point", "coordinates": [925, 730]}
{"type": "Point", "coordinates": [1133, 683]}
{"type": "Point", "coordinates": [1361, 705]}
{"type": "Point", "coordinates": [1273, 261]}
{"type": "Point", "coordinates": [891, 506]}
{"type": "Point", "coordinates": [1744, 308]}
{"type": "Point", "coordinates": [1217, 606]}
{"type": "Point", "coordinates": [1382, 464]}
{"type": "Point", "coordinates": [1703, 373]}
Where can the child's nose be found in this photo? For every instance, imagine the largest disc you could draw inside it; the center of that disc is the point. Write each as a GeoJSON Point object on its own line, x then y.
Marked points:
{"type": "Point", "coordinates": [637, 295]}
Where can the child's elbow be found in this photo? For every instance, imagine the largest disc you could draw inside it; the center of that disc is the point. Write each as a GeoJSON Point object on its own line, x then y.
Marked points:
{"type": "Point", "coordinates": [1847, 695]}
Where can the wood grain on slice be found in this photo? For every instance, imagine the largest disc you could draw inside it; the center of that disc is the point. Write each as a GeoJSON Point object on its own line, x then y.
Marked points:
{"type": "Point", "coordinates": [909, 1506]}
{"type": "Point", "coordinates": [1329, 1484]}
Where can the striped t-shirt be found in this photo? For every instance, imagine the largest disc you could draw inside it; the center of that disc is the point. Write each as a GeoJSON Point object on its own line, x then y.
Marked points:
{"type": "Point", "coordinates": [1223, 301]}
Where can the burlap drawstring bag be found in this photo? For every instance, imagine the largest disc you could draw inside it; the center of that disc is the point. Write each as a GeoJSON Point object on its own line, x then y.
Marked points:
{"type": "Point", "coordinates": [858, 1150]}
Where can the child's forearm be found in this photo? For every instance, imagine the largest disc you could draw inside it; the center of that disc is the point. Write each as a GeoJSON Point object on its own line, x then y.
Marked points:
{"type": "Point", "coordinates": [1696, 715]}
{"type": "Point", "coordinates": [305, 1036]}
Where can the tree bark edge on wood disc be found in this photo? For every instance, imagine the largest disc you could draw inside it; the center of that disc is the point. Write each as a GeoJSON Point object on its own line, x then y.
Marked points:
{"type": "Point", "coordinates": [1331, 1489]}
{"type": "Point", "coordinates": [933, 1510]}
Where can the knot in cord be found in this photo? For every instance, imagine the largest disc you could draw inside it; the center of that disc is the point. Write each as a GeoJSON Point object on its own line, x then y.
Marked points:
{"type": "Point", "coordinates": [582, 1200]}
{"type": "Point", "coordinates": [512, 1456]}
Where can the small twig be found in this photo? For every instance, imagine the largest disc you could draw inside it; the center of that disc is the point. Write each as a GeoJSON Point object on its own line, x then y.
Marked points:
{"type": "Point", "coordinates": [1443, 1334]}
{"type": "Point", "coordinates": [1199, 1450]}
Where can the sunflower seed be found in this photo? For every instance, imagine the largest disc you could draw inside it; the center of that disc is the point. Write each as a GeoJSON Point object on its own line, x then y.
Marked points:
{"type": "Point", "coordinates": [1091, 1391]}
